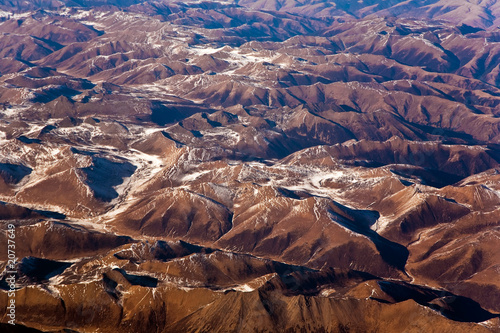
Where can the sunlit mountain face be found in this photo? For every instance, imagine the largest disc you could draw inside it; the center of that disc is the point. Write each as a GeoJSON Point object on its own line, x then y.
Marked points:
{"type": "Point", "coordinates": [250, 166]}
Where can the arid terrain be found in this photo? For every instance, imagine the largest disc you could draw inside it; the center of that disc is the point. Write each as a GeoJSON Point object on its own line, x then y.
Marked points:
{"type": "Point", "coordinates": [251, 166]}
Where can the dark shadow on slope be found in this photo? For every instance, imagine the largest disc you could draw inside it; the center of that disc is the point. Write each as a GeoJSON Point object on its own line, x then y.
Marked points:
{"type": "Point", "coordinates": [494, 151]}
{"type": "Point", "coordinates": [52, 93]}
{"type": "Point", "coordinates": [51, 215]}
{"type": "Point", "coordinates": [300, 280]}
{"type": "Point", "coordinates": [36, 270]}
{"type": "Point", "coordinates": [430, 177]}
{"type": "Point", "coordinates": [18, 328]}
{"type": "Point", "coordinates": [454, 307]}
{"type": "Point", "coordinates": [449, 136]}
{"type": "Point", "coordinates": [82, 152]}
{"type": "Point", "coordinates": [139, 280]}
{"type": "Point", "coordinates": [359, 222]}
{"type": "Point", "coordinates": [110, 286]}
{"type": "Point", "coordinates": [28, 141]}
{"type": "Point", "coordinates": [13, 173]}
{"type": "Point", "coordinates": [9, 211]}
{"type": "Point", "coordinates": [103, 175]}
{"type": "Point", "coordinates": [168, 136]}
{"type": "Point", "coordinates": [162, 114]}
{"type": "Point", "coordinates": [56, 46]}
{"type": "Point", "coordinates": [467, 29]}
{"type": "Point", "coordinates": [163, 251]}
{"type": "Point", "coordinates": [46, 130]}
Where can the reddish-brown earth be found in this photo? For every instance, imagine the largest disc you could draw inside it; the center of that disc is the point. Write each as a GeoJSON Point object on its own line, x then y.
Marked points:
{"type": "Point", "coordinates": [251, 166]}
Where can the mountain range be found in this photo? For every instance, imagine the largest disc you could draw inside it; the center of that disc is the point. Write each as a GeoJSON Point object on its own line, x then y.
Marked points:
{"type": "Point", "coordinates": [251, 166]}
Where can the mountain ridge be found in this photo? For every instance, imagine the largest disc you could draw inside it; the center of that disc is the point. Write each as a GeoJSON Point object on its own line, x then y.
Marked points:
{"type": "Point", "coordinates": [251, 166]}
